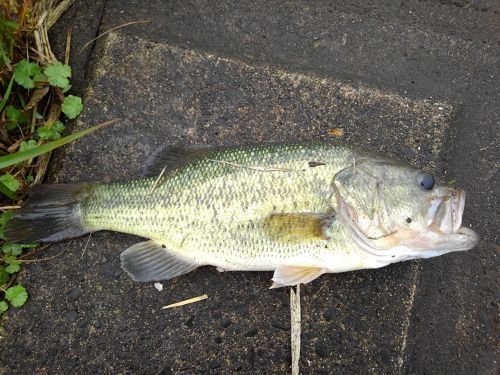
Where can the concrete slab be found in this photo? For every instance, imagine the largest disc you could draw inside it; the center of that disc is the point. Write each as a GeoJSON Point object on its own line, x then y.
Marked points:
{"type": "Point", "coordinates": [352, 323]}
{"type": "Point", "coordinates": [441, 49]}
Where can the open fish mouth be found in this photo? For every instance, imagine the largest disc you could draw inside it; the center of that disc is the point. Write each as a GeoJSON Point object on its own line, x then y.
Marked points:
{"type": "Point", "coordinates": [445, 212]}
{"type": "Point", "coordinates": [444, 215]}
{"type": "Point", "coordinates": [444, 231]}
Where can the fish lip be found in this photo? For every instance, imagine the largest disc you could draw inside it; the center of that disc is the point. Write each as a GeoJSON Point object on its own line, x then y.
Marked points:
{"type": "Point", "coordinates": [469, 233]}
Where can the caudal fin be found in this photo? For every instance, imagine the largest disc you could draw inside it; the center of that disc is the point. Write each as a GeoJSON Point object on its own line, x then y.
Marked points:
{"type": "Point", "coordinates": [51, 213]}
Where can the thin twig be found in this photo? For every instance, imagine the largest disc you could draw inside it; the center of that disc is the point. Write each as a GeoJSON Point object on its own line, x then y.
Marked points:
{"type": "Point", "coordinates": [110, 30]}
{"type": "Point", "coordinates": [295, 328]}
{"type": "Point", "coordinates": [5, 208]}
{"type": "Point", "coordinates": [40, 54]}
{"type": "Point", "coordinates": [154, 186]}
{"type": "Point", "coordinates": [43, 259]}
{"type": "Point", "coordinates": [68, 47]}
{"type": "Point", "coordinates": [253, 168]}
{"type": "Point", "coordinates": [58, 11]}
{"type": "Point", "coordinates": [86, 244]}
{"type": "Point", "coordinates": [33, 252]}
{"type": "Point", "coordinates": [186, 302]}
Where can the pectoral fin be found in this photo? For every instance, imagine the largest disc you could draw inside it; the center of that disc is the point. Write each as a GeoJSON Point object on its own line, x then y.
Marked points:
{"type": "Point", "coordinates": [149, 261]}
{"type": "Point", "coordinates": [295, 227]}
{"type": "Point", "coordinates": [293, 275]}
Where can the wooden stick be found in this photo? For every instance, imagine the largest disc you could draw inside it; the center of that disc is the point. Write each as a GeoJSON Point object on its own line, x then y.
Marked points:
{"type": "Point", "coordinates": [186, 302]}
{"type": "Point", "coordinates": [295, 327]}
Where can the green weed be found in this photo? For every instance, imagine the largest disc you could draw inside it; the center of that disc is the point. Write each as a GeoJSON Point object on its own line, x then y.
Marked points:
{"type": "Point", "coordinates": [33, 107]}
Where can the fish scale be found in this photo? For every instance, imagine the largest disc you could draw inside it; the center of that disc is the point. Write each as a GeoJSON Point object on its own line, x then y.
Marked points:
{"type": "Point", "coordinates": [211, 210]}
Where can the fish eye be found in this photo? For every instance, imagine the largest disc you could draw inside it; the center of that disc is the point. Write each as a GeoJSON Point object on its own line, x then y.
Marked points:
{"type": "Point", "coordinates": [426, 181]}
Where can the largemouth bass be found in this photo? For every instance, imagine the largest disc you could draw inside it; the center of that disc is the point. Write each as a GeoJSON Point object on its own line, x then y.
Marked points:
{"type": "Point", "coordinates": [299, 210]}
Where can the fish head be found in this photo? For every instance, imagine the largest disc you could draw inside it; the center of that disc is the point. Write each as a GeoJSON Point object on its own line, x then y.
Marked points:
{"type": "Point", "coordinates": [400, 212]}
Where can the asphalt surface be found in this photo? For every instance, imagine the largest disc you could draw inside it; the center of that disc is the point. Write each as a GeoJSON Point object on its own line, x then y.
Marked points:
{"type": "Point", "coordinates": [415, 80]}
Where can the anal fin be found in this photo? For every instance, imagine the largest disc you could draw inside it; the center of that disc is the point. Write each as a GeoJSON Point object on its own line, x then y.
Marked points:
{"type": "Point", "coordinates": [149, 261]}
{"type": "Point", "coordinates": [293, 275]}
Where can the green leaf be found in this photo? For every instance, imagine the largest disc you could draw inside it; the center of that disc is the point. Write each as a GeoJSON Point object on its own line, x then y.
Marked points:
{"type": "Point", "coordinates": [16, 295]}
{"type": "Point", "coordinates": [5, 25]}
{"type": "Point", "coordinates": [7, 192]}
{"type": "Point", "coordinates": [10, 182]}
{"type": "Point", "coordinates": [40, 77]}
{"type": "Point", "coordinates": [3, 307]}
{"type": "Point", "coordinates": [24, 146]}
{"type": "Point", "coordinates": [12, 248]}
{"type": "Point", "coordinates": [4, 276]}
{"type": "Point", "coordinates": [4, 219]}
{"type": "Point", "coordinates": [38, 116]}
{"type": "Point", "coordinates": [48, 133]}
{"type": "Point", "coordinates": [13, 267]}
{"type": "Point", "coordinates": [58, 126]}
{"type": "Point", "coordinates": [15, 115]}
{"type": "Point", "coordinates": [18, 157]}
{"type": "Point", "coordinates": [23, 72]}
{"type": "Point", "coordinates": [72, 106]}
{"type": "Point", "coordinates": [29, 179]}
{"type": "Point", "coordinates": [4, 56]}
{"type": "Point", "coordinates": [9, 259]}
{"type": "Point", "coordinates": [58, 74]}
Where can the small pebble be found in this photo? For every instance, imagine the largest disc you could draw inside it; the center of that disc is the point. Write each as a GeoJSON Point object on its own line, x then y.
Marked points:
{"type": "Point", "coordinates": [213, 364]}
{"type": "Point", "coordinates": [74, 294]}
{"type": "Point", "coordinates": [190, 321]}
{"type": "Point", "coordinates": [329, 315]}
{"type": "Point", "coordinates": [72, 315]}
{"type": "Point", "coordinates": [322, 350]}
{"type": "Point", "coordinates": [251, 332]}
{"type": "Point", "coordinates": [159, 286]}
{"type": "Point", "coordinates": [225, 322]}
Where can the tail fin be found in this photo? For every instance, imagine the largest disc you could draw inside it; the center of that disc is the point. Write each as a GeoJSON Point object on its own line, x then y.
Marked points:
{"type": "Point", "coordinates": [51, 213]}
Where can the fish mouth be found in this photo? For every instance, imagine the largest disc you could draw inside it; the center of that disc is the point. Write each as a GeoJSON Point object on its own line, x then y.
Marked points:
{"type": "Point", "coordinates": [444, 232]}
{"type": "Point", "coordinates": [444, 214]}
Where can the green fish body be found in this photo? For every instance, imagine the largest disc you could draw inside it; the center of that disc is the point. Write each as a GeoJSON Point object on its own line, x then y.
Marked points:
{"type": "Point", "coordinates": [247, 208]}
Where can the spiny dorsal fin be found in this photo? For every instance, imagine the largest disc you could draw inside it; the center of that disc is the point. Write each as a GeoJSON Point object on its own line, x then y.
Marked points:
{"type": "Point", "coordinates": [293, 275]}
{"type": "Point", "coordinates": [296, 227]}
{"type": "Point", "coordinates": [148, 261]}
{"type": "Point", "coordinates": [173, 157]}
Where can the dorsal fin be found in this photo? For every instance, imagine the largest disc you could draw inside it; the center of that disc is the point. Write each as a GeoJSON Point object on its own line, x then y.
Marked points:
{"type": "Point", "coordinates": [173, 157]}
{"type": "Point", "coordinates": [295, 227]}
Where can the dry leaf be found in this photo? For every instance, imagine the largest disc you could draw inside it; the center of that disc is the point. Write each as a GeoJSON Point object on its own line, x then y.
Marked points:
{"type": "Point", "coordinates": [336, 132]}
{"type": "Point", "coordinates": [38, 95]}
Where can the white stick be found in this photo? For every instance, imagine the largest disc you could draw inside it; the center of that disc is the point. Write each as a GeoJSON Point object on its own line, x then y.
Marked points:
{"type": "Point", "coordinates": [295, 321]}
{"type": "Point", "coordinates": [186, 302]}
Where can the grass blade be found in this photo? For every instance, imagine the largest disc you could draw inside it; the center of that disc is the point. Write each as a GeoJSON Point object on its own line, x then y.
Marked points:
{"type": "Point", "coordinates": [7, 94]}
{"type": "Point", "coordinates": [18, 157]}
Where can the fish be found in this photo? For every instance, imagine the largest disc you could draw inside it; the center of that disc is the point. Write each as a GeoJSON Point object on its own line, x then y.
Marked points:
{"type": "Point", "coordinates": [300, 210]}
